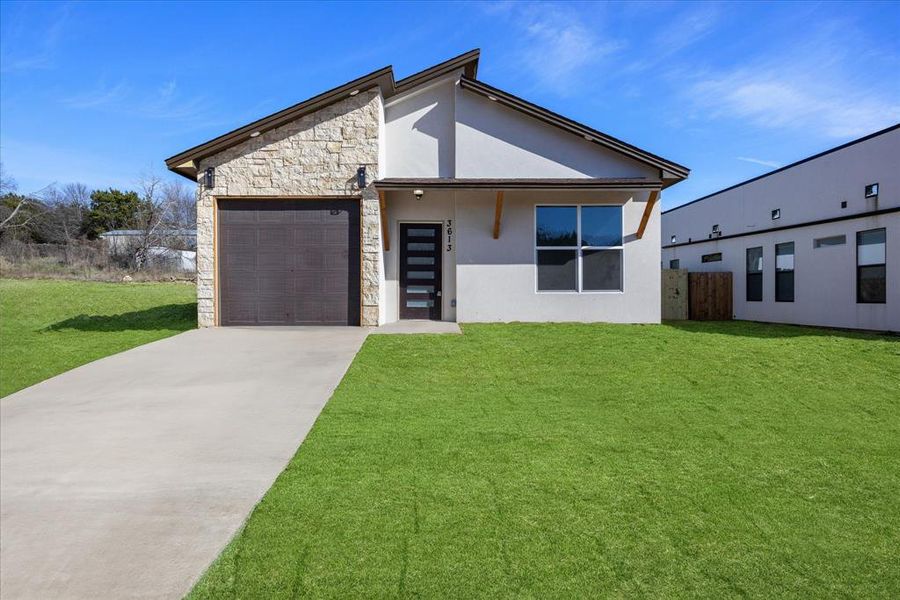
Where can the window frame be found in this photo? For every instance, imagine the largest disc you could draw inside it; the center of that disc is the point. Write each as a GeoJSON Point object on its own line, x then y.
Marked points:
{"type": "Point", "coordinates": [761, 274]}
{"type": "Point", "coordinates": [705, 259]}
{"type": "Point", "coordinates": [817, 242]}
{"type": "Point", "coordinates": [884, 265]}
{"type": "Point", "coordinates": [578, 248]}
{"type": "Point", "coordinates": [677, 262]}
{"type": "Point", "coordinates": [791, 271]}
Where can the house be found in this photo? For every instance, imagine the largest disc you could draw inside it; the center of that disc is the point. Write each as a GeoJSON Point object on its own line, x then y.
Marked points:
{"type": "Point", "coordinates": [812, 243]}
{"type": "Point", "coordinates": [123, 241]}
{"type": "Point", "coordinates": [436, 196]}
{"type": "Point", "coordinates": [173, 249]}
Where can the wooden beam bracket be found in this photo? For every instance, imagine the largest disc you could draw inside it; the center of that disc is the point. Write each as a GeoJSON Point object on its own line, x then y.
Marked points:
{"type": "Point", "coordinates": [648, 210]}
{"type": "Point", "coordinates": [498, 213]}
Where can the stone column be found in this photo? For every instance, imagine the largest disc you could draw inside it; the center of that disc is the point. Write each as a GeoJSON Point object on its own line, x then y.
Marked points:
{"type": "Point", "coordinates": [371, 251]}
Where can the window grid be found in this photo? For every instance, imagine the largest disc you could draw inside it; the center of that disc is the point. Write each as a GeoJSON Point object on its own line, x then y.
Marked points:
{"type": "Point", "coordinates": [578, 248]}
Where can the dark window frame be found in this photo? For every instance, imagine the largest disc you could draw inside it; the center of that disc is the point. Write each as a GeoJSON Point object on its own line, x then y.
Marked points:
{"type": "Point", "coordinates": [860, 268]}
{"type": "Point", "coordinates": [754, 277]}
{"type": "Point", "coordinates": [579, 248]}
{"type": "Point", "coordinates": [783, 294]}
{"type": "Point", "coordinates": [711, 257]}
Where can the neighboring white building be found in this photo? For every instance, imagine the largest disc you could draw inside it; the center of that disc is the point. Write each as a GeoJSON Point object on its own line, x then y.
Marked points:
{"type": "Point", "coordinates": [812, 243]}
{"type": "Point", "coordinates": [435, 197]}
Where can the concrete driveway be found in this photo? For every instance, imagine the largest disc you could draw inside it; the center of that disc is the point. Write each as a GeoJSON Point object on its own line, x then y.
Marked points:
{"type": "Point", "coordinates": [124, 478]}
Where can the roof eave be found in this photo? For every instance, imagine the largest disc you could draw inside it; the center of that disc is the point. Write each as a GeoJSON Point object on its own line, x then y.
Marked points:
{"type": "Point", "coordinates": [608, 184]}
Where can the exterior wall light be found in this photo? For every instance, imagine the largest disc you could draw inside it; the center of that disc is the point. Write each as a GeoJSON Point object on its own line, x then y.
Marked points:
{"type": "Point", "coordinates": [361, 177]}
{"type": "Point", "coordinates": [872, 190]}
{"type": "Point", "coordinates": [209, 178]}
{"type": "Point", "coordinates": [776, 214]}
{"type": "Point", "coordinates": [418, 194]}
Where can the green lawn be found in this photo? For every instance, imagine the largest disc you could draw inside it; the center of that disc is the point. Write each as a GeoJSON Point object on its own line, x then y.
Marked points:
{"type": "Point", "coordinates": [547, 461]}
{"type": "Point", "coordinates": [47, 327]}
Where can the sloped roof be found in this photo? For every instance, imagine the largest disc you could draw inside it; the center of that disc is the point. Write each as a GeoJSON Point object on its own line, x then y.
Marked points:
{"type": "Point", "coordinates": [557, 120]}
{"type": "Point", "coordinates": [185, 163]}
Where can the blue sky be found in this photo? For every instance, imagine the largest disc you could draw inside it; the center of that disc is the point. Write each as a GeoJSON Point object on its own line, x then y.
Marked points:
{"type": "Point", "coordinates": [102, 92]}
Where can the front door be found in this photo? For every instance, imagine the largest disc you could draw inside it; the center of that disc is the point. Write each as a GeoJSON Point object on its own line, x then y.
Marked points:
{"type": "Point", "coordinates": [420, 271]}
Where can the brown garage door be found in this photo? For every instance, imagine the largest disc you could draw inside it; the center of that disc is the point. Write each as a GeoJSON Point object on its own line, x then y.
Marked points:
{"type": "Point", "coordinates": [288, 262]}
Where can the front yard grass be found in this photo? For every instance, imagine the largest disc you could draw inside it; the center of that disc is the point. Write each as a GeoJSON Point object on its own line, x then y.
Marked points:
{"type": "Point", "coordinates": [546, 461]}
{"type": "Point", "coordinates": [48, 327]}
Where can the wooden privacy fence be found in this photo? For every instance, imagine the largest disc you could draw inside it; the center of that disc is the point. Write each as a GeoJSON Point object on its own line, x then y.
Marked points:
{"type": "Point", "coordinates": [710, 297]}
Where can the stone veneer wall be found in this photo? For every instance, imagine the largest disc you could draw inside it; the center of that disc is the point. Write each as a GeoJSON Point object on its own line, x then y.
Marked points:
{"type": "Point", "coordinates": [316, 155]}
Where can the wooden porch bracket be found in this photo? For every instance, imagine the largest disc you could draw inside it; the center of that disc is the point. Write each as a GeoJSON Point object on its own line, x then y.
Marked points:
{"type": "Point", "coordinates": [648, 210]}
{"type": "Point", "coordinates": [385, 226]}
{"type": "Point", "coordinates": [498, 212]}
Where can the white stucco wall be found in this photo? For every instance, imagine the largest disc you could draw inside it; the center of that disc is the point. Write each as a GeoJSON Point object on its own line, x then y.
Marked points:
{"type": "Point", "coordinates": [824, 278]}
{"type": "Point", "coordinates": [419, 132]}
{"type": "Point", "coordinates": [495, 141]}
{"type": "Point", "coordinates": [496, 279]}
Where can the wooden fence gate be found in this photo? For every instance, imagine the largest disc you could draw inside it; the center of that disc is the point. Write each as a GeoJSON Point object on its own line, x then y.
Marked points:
{"type": "Point", "coordinates": [710, 297]}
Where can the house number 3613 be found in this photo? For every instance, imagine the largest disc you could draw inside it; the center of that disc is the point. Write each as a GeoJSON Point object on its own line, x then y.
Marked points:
{"type": "Point", "coordinates": [449, 235]}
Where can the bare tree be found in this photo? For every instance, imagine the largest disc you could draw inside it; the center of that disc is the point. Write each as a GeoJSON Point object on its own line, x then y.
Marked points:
{"type": "Point", "coordinates": [17, 211]}
{"type": "Point", "coordinates": [65, 209]}
{"type": "Point", "coordinates": [161, 219]}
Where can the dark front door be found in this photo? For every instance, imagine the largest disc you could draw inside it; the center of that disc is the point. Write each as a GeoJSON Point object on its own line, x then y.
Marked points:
{"type": "Point", "coordinates": [288, 262]}
{"type": "Point", "coordinates": [420, 271]}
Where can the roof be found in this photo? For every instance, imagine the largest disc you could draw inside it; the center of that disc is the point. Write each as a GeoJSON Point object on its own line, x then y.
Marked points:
{"type": "Point", "coordinates": [582, 183]}
{"type": "Point", "coordinates": [790, 166]}
{"type": "Point", "coordinates": [185, 163]}
{"type": "Point", "coordinates": [678, 172]}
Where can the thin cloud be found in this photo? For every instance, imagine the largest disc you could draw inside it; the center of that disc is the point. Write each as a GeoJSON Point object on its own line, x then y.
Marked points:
{"type": "Point", "coordinates": [100, 96]}
{"type": "Point", "coordinates": [759, 161]}
{"type": "Point", "coordinates": [812, 84]}
{"type": "Point", "coordinates": [164, 103]}
{"type": "Point", "coordinates": [780, 101]}
{"type": "Point", "coordinates": [557, 44]}
{"type": "Point", "coordinates": [26, 49]}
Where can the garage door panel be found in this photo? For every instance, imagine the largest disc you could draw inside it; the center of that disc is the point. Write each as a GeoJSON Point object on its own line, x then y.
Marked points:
{"type": "Point", "coordinates": [237, 236]}
{"type": "Point", "coordinates": [289, 262]}
{"type": "Point", "coordinates": [273, 237]}
{"type": "Point", "coordinates": [273, 261]}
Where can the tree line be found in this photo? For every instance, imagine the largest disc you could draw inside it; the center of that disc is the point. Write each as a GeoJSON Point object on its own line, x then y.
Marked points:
{"type": "Point", "coordinates": [70, 213]}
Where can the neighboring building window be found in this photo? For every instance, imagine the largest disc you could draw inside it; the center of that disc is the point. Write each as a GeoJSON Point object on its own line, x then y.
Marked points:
{"type": "Point", "coordinates": [834, 240]}
{"type": "Point", "coordinates": [754, 274]}
{"type": "Point", "coordinates": [579, 248]}
{"type": "Point", "coordinates": [675, 263]}
{"type": "Point", "coordinates": [843, 204]}
{"type": "Point", "coordinates": [714, 257]}
{"type": "Point", "coordinates": [776, 214]}
{"type": "Point", "coordinates": [784, 272]}
{"type": "Point", "coordinates": [871, 268]}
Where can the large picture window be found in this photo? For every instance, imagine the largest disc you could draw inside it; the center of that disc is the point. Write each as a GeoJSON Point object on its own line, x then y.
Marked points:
{"type": "Point", "coordinates": [754, 274]}
{"type": "Point", "coordinates": [578, 248]}
{"type": "Point", "coordinates": [784, 272]}
{"type": "Point", "coordinates": [871, 267]}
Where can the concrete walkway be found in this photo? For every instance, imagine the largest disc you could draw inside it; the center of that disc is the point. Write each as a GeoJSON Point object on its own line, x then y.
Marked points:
{"type": "Point", "coordinates": [126, 477]}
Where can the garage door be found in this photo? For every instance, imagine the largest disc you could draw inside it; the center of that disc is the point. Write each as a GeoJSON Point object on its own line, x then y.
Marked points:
{"type": "Point", "coordinates": [288, 262]}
